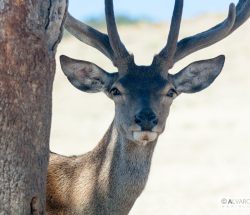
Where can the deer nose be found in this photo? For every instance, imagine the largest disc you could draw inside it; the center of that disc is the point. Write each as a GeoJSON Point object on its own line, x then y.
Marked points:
{"type": "Point", "coordinates": [146, 119]}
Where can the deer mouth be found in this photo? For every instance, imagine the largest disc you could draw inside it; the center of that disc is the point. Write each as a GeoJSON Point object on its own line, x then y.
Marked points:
{"type": "Point", "coordinates": [144, 137]}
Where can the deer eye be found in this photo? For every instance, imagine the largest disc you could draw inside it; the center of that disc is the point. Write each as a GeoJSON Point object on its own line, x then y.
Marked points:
{"type": "Point", "coordinates": [171, 93]}
{"type": "Point", "coordinates": [115, 92]}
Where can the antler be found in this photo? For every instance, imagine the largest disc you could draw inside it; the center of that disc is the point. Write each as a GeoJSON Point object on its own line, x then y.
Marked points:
{"type": "Point", "coordinates": [236, 17]}
{"type": "Point", "coordinates": [89, 35]}
{"type": "Point", "coordinates": [114, 38]}
{"type": "Point", "coordinates": [166, 55]}
{"type": "Point", "coordinates": [110, 45]}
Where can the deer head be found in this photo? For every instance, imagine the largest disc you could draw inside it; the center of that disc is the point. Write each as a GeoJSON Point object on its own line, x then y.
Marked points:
{"type": "Point", "coordinates": [143, 94]}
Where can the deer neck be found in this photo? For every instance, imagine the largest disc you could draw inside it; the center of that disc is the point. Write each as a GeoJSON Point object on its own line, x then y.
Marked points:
{"type": "Point", "coordinates": [124, 168]}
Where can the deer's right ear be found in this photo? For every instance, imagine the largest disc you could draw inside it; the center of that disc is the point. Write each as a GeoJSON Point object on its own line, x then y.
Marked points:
{"type": "Point", "coordinates": [86, 76]}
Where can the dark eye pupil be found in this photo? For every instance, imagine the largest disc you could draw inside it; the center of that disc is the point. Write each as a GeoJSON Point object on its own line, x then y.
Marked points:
{"type": "Point", "coordinates": [115, 92]}
{"type": "Point", "coordinates": [171, 93]}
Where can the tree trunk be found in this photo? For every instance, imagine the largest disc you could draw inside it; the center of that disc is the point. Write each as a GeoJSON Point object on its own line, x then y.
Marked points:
{"type": "Point", "coordinates": [29, 33]}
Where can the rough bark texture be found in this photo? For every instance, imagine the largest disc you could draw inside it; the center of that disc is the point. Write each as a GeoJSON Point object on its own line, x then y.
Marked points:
{"type": "Point", "coordinates": [29, 33]}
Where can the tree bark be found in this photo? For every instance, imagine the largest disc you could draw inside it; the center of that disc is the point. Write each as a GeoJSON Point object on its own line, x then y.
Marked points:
{"type": "Point", "coordinates": [29, 33]}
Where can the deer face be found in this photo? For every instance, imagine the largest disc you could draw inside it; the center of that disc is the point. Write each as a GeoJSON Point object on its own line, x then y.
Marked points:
{"type": "Point", "coordinates": [142, 100]}
{"type": "Point", "coordinates": [142, 94]}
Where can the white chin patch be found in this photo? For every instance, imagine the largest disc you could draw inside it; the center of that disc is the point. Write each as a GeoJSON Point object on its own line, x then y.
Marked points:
{"type": "Point", "coordinates": [144, 136]}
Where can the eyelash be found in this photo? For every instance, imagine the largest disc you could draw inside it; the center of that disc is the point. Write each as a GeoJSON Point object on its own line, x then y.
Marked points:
{"type": "Point", "coordinates": [115, 92]}
{"type": "Point", "coordinates": [171, 93]}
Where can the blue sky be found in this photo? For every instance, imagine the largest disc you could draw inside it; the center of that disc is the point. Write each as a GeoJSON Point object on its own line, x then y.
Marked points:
{"type": "Point", "coordinates": [156, 10]}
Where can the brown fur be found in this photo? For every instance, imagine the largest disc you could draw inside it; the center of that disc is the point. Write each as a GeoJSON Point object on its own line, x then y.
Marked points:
{"type": "Point", "coordinates": [106, 180]}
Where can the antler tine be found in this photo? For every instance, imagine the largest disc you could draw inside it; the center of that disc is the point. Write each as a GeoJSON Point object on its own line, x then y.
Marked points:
{"type": "Point", "coordinates": [119, 49]}
{"type": "Point", "coordinates": [89, 35]}
{"type": "Point", "coordinates": [199, 41]}
{"type": "Point", "coordinates": [167, 53]}
{"type": "Point", "coordinates": [243, 13]}
{"type": "Point", "coordinates": [236, 17]}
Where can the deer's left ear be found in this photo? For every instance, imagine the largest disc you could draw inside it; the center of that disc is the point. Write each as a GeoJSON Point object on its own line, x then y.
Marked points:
{"type": "Point", "coordinates": [198, 75]}
{"type": "Point", "coordinates": [86, 76]}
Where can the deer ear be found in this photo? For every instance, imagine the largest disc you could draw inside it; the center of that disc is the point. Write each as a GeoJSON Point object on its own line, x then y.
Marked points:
{"type": "Point", "coordinates": [198, 75]}
{"type": "Point", "coordinates": [86, 76]}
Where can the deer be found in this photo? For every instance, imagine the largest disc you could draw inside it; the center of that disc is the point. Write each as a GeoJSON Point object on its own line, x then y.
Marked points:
{"type": "Point", "coordinates": [109, 179]}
